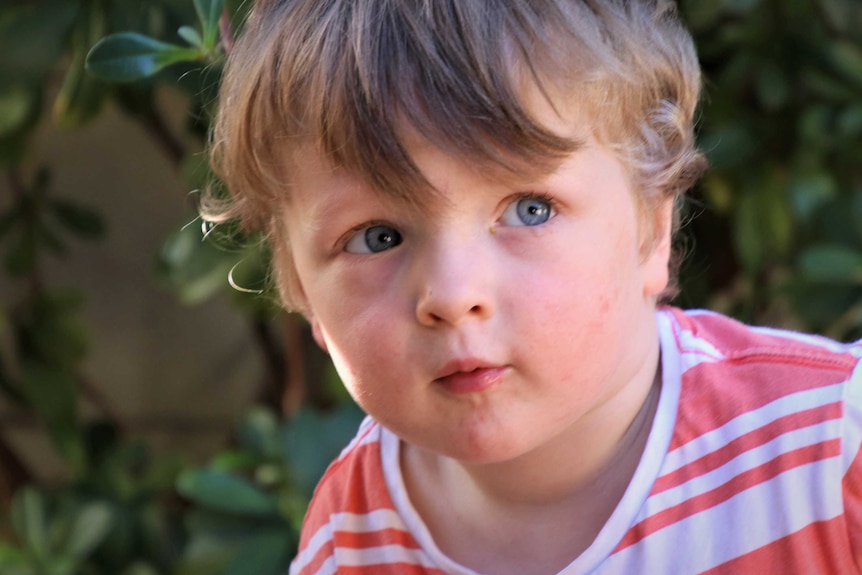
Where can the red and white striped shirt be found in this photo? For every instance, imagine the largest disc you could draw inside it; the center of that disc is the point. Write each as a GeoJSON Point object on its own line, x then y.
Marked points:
{"type": "Point", "coordinates": [752, 466]}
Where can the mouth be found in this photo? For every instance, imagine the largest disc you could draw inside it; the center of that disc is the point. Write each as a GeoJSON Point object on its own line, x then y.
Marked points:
{"type": "Point", "coordinates": [463, 377]}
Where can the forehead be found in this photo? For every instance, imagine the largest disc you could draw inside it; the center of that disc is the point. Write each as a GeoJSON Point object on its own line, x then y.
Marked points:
{"type": "Point", "coordinates": [487, 158]}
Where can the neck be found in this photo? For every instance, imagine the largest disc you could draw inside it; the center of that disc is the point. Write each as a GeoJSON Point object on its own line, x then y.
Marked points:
{"type": "Point", "coordinates": [556, 498]}
{"type": "Point", "coordinates": [597, 447]}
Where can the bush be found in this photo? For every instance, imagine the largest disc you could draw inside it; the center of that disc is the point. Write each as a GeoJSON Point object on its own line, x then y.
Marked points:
{"type": "Point", "coordinates": [772, 233]}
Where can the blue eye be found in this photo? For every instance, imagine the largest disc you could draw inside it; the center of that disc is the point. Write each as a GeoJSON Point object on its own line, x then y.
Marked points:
{"type": "Point", "coordinates": [373, 239]}
{"type": "Point", "coordinates": [530, 211]}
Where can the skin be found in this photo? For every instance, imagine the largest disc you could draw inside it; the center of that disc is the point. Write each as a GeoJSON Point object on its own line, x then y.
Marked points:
{"type": "Point", "coordinates": [557, 318]}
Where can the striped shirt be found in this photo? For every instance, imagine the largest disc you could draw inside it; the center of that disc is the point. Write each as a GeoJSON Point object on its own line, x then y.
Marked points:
{"type": "Point", "coordinates": [751, 466]}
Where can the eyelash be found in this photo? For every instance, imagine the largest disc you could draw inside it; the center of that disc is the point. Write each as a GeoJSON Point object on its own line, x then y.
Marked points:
{"type": "Point", "coordinates": [341, 244]}
{"type": "Point", "coordinates": [541, 196]}
{"type": "Point", "coordinates": [536, 196]}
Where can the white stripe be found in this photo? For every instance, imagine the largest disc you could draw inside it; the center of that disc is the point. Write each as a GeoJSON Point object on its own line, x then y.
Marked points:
{"type": "Point", "coordinates": [321, 537]}
{"type": "Point", "coordinates": [363, 436]}
{"type": "Point", "coordinates": [853, 417]}
{"type": "Point", "coordinates": [751, 421]}
{"type": "Point", "coordinates": [813, 340]}
{"type": "Point", "coordinates": [740, 525]}
{"type": "Point", "coordinates": [377, 520]}
{"type": "Point", "coordinates": [329, 567]}
{"type": "Point", "coordinates": [693, 350]}
{"type": "Point", "coordinates": [382, 555]}
{"type": "Point", "coordinates": [744, 462]}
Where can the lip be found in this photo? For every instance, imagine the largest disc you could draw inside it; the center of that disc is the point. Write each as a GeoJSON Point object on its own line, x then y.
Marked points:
{"type": "Point", "coordinates": [469, 376]}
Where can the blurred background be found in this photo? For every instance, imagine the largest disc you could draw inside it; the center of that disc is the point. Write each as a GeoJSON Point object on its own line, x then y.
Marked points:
{"type": "Point", "coordinates": [154, 420]}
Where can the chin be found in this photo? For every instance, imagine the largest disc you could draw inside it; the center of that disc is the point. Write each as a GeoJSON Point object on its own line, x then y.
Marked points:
{"type": "Point", "coordinates": [483, 450]}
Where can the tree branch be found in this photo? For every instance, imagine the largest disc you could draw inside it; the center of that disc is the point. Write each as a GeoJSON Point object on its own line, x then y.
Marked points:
{"type": "Point", "coordinates": [157, 128]}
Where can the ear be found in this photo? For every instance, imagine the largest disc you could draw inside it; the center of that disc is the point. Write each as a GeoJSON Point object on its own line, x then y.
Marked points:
{"type": "Point", "coordinates": [657, 249]}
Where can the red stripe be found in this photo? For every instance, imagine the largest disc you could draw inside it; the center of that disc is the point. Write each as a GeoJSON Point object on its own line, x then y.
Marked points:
{"type": "Point", "coordinates": [389, 569]}
{"type": "Point", "coordinates": [818, 549]}
{"type": "Point", "coordinates": [324, 553]}
{"type": "Point", "coordinates": [757, 384]}
{"type": "Point", "coordinates": [747, 442]}
{"type": "Point", "coordinates": [852, 491]}
{"type": "Point", "coordinates": [375, 539]}
{"type": "Point", "coordinates": [734, 486]}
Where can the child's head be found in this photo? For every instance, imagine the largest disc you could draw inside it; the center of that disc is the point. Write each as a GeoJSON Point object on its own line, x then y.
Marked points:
{"type": "Point", "coordinates": [358, 80]}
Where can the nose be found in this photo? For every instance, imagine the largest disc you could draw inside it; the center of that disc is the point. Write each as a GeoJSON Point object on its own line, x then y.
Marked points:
{"type": "Point", "coordinates": [455, 285]}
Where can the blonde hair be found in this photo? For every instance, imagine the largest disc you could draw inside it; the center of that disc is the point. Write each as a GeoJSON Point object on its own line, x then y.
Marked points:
{"type": "Point", "coordinates": [348, 76]}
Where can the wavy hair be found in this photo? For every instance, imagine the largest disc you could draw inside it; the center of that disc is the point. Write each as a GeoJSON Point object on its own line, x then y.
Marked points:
{"type": "Point", "coordinates": [347, 76]}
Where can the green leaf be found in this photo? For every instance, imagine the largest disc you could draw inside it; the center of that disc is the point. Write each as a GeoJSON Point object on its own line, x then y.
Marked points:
{"type": "Point", "coordinates": [209, 12]}
{"type": "Point", "coordinates": [29, 518]}
{"type": "Point", "coordinates": [49, 239]}
{"type": "Point", "coordinates": [809, 191]}
{"type": "Point", "coordinates": [234, 460]}
{"type": "Point", "coordinates": [836, 12]}
{"type": "Point", "coordinates": [140, 568]}
{"type": "Point", "coordinates": [81, 95]}
{"type": "Point", "coordinates": [193, 266]}
{"type": "Point", "coordinates": [84, 222]}
{"type": "Point", "coordinates": [258, 432]}
{"type": "Point", "coordinates": [268, 553]}
{"type": "Point", "coordinates": [702, 15]}
{"type": "Point", "coordinates": [850, 121]}
{"type": "Point", "coordinates": [32, 39]}
{"type": "Point", "coordinates": [226, 492]}
{"type": "Point", "coordinates": [747, 234]}
{"type": "Point", "coordinates": [128, 56]}
{"type": "Point", "coordinates": [8, 385]}
{"type": "Point", "coordinates": [52, 394]}
{"type": "Point", "coordinates": [311, 441]}
{"type": "Point", "coordinates": [191, 36]}
{"type": "Point", "coordinates": [91, 525]}
{"type": "Point", "coordinates": [50, 333]}
{"type": "Point", "coordinates": [846, 58]}
{"type": "Point", "coordinates": [21, 258]}
{"type": "Point", "coordinates": [10, 218]}
{"type": "Point", "coordinates": [826, 86]}
{"type": "Point", "coordinates": [729, 146]}
{"type": "Point", "coordinates": [773, 90]}
{"type": "Point", "coordinates": [834, 264]}
{"type": "Point", "coordinates": [14, 561]}
{"type": "Point", "coordinates": [16, 106]}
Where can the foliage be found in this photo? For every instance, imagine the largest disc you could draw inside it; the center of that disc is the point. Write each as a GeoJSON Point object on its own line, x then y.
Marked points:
{"type": "Point", "coordinates": [118, 518]}
{"type": "Point", "coordinates": [773, 237]}
{"type": "Point", "coordinates": [250, 501]}
{"type": "Point", "coordinates": [777, 237]}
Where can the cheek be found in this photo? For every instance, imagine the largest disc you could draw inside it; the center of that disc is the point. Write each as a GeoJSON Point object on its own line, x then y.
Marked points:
{"type": "Point", "coordinates": [364, 343]}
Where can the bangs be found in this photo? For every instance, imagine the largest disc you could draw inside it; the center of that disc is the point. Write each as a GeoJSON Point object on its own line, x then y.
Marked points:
{"type": "Point", "coordinates": [371, 76]}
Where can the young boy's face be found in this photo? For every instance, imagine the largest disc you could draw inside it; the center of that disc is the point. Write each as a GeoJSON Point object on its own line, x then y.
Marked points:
{"type": "Point", "coordinates": [494, 322]}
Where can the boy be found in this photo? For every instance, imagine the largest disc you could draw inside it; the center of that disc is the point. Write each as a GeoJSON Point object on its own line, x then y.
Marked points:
{"type": "Point", "coordinates": [473, 203]}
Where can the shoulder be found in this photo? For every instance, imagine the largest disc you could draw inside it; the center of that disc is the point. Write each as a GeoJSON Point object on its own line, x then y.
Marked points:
{"type": "Point", "coordinates": [351, 519]}
{"type": "Point", "coordinates": [720, 338]}
{"type": "Point", "coordinates": [757, 361]}
{"type": "Point", "coordinates": [762, 385]}
{"type": "Point", "coordinates": [351, 490]}
{"type": "Point", "coordinates": [767, 422]}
